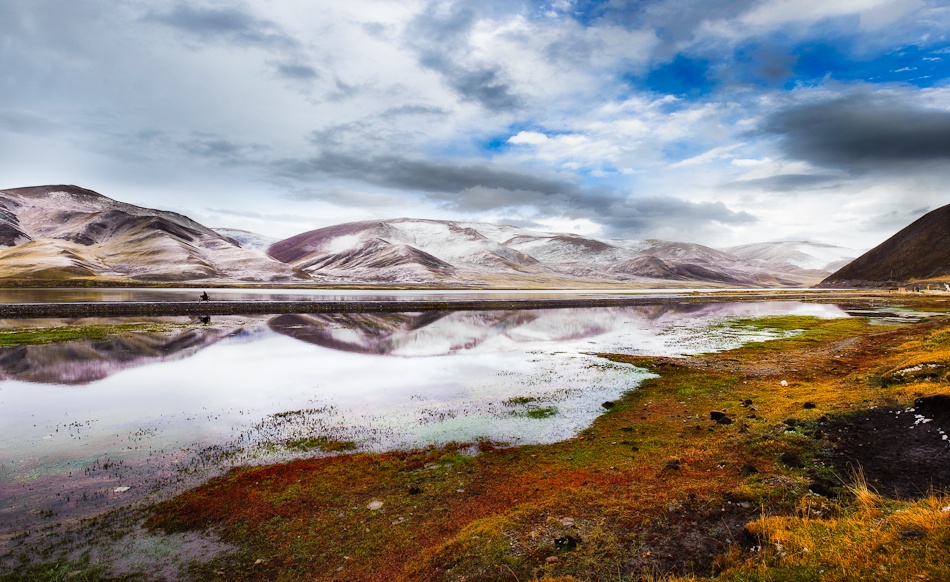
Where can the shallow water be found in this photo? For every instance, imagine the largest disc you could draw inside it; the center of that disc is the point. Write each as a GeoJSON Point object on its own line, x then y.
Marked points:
{"type": "Point", "coordinates": [157, 411]}
{"type": "Point", "coordinates": [69, 295]}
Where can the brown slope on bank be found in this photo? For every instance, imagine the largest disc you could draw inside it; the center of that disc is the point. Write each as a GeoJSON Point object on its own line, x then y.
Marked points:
{"type": "Point", "coordinates": [920, 251]}
{"type": "Point", "coordinates": [62, 232]}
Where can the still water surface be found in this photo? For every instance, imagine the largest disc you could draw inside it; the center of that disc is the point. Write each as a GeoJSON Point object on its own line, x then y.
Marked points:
{"type": "Point", "coordinates": [157, 411]}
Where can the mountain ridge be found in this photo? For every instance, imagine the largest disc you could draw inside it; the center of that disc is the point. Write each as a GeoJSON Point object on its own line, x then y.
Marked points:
{"type": "Point", "coordinates": [63, 233]}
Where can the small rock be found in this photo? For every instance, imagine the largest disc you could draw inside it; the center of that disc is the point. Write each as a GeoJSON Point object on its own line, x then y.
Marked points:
{"type": "Point", "coordinates": [121, 489]}
{"type": "Point", "coordinates": [673, 465]}
{"type": "Point", "coordinates": [747, 403]}
{"type": "Point", "coordinates": [809, 405]}
{"type": "Point", "coordinates": [374, 505]}
{"type": "Point", "coordinates": [258, 562]}
{"type": "Point", "coordinates": [790, 422]}
{"type": "Point", "coordinates": [783, 383]}
{"type": "Point", "coordinates": [415, 490]}
{"type": "Point", "coordinates": [791, 459]}
{"type": "Point", "coordinates": [911, 534]}
{"type": "Point", "coordinates": [716, 415]}
{"type": "Point", "coordinates": [608, 405]}
{"type": "Point", "coordinates": [566, 543]}
{"type": "Point", "coordinates": [551, 559]}
{"type": "Point", "coordinates": [724, 420]}
{"type": "Point", "coordinates": [567, 521]}
{"type": "Point", "coordinates": [819, 488]}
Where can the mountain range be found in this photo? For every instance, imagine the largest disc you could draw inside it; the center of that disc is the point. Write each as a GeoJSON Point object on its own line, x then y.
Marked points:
{"type": "Point", "coordinates": [69, 233]}
{"type": "Point", "coordinates": [439, 251]}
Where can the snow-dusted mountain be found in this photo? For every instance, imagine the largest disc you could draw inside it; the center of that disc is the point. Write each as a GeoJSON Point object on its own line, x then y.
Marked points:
{"type": "Point", "coordinates": [433, 251]}
{"type": "Point", "coordinates": [247, 239]}
{"type": "Point", "coordinates": [61, 232]}
{"type": "Point", "coordinates": [802, 254]}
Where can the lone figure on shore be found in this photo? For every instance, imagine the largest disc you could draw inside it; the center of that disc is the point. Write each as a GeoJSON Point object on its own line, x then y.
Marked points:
{"type": "Point", "coordinates": [204, 296]}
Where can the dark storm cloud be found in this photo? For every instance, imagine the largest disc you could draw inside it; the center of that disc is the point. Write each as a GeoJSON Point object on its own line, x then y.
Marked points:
{"type": "Point", "coordinates": [477, 187]}
{"type": "Point", "coordinates": [427, 110]}
{"type": "Point", "coordinates": [860, 132]}
{"type": "Point", "coordinates": [440, 37]}
{"type": "Point", "coordinates": [788, 183]}
{"type": "Point", "coordinates": [297, 72]}
{"type": "Point", "coordinates": [220, 149]}
{"type": "Point", "coordinates": [403, 173]}
{"type": "Point", "coordinates": [630, 216]}
{"type": "Point", "coordinates": [232, 24]}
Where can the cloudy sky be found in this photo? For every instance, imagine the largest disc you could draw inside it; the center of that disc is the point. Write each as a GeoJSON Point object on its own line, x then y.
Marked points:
{"type": "Point", "coordinates": [720, 122]}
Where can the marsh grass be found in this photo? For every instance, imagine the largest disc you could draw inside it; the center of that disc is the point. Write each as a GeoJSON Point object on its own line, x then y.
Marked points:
{"type": "Point", "coordinates": [45, 335]}
{"type": "Point", "coordinates": [82, 569]}
{"type": "Point", "coordinates": [320, 443]}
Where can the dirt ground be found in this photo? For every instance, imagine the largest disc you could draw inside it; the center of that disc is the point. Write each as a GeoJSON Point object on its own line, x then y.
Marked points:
{"type": "Point", "coordinates": [904, 452]}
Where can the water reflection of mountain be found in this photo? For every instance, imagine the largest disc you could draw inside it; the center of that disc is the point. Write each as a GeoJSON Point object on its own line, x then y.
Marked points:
{"type": "Point", "coordinates": [393, 334]}
{"type": "Point", "coordinates": [437, 333]}
{"type": "Point", "coordinates": [417, 334]}
{"type": "Point", "coordinates": [85, 361]}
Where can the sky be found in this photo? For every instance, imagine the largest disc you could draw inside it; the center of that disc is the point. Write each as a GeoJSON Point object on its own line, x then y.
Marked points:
{"type": "Point", "coordinates": [717, 122]}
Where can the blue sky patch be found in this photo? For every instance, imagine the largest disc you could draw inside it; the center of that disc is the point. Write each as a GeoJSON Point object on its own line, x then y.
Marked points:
{"type": "Point", "coordinates": [683, 76]}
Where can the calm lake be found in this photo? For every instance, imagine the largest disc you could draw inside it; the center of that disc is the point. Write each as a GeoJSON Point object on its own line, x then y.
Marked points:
{"type": "Point", "coordinates": [90, 424]}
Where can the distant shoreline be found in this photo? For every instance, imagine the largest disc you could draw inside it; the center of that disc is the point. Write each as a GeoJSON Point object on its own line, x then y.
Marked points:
{"type": "Point", "coordinates": [262, 307]}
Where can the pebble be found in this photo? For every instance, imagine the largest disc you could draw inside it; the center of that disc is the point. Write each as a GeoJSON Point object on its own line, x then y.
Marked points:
{"type": "Point", "coordinates": [567, 521]}
{"type": "Point", "coordinates": [911, 534]}
{"type": "Point", "coordinates": [784, 383]}
{"type": "Point", "coordinates": [374, 505]}
{"type": "Point", "coordinates": [121, 489]}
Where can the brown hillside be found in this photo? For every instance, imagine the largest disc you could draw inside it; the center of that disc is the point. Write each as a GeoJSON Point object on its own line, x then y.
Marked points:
{"type": "Point", "coordinates": [918, 252]}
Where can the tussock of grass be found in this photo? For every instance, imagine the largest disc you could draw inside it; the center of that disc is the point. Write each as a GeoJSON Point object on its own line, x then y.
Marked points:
{"type": "Point", "coordinates": [873, 539]}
